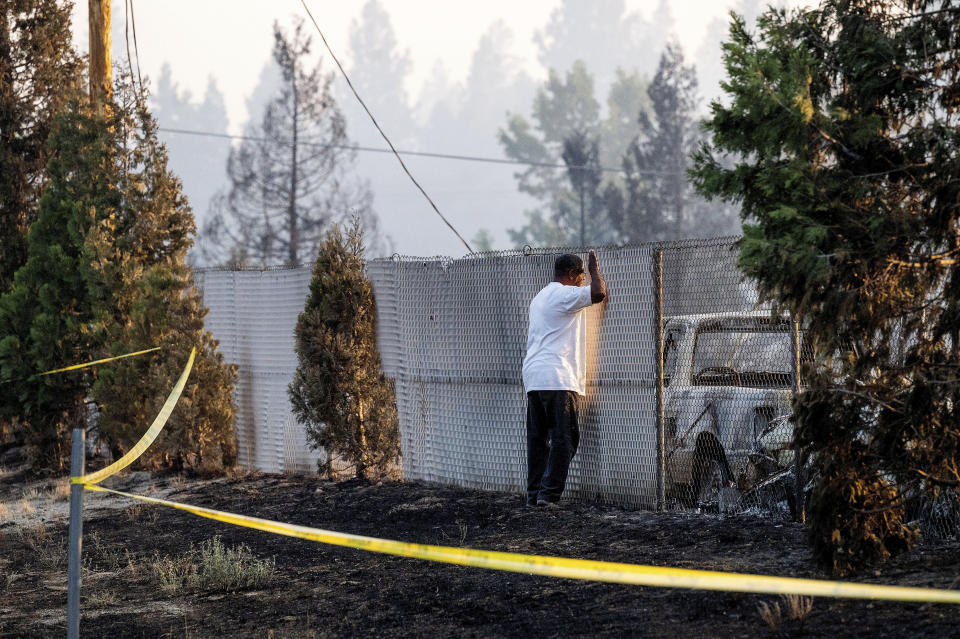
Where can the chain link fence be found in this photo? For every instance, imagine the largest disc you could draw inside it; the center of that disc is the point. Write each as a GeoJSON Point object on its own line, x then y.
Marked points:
{"type": "Point", "coordinates": [253, 314]}
{"type": "Point", "coordinates": [689, 378]}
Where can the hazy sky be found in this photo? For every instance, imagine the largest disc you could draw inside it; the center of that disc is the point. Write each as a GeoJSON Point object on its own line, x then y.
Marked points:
{"type": "Point", "coordinates": [231, 39]}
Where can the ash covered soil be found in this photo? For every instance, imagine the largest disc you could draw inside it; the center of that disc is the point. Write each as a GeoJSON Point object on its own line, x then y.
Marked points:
{"type": "Point", "coordinates": [327, 591]}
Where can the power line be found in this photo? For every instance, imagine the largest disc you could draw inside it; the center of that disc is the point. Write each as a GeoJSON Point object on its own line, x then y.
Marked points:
{"type": "Point", "coordinates": [372, 119]}
{"type": "Point", "coordinates": [442, 156]}
{"type": "Point", "coordinates": [128, 21]}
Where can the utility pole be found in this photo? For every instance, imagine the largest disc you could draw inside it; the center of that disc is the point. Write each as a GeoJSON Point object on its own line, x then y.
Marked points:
{"type": "Point", "coordinates": [101, 69]}
{"type": "Point", "coordinates": [101, 79]}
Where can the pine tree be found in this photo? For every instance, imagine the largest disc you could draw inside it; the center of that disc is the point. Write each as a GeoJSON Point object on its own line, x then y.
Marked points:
{"type": "Point", "coordinates": [199, 161]}
{"type": "Point", "coordinates": [845, 121]}
{"type": "Point", "coordinates": [339, 391]}
{"type": "Point", "coordinates": [581, 154]}
{"type": "Point", "coordinates": [289, 182]}
{"type": "Point", "coordinates": [141, 254]}
{"type": "Point", "coordinates": [567, 124]}
{"type": "Point", "coordinates": [379, 70]}
{"type": "Point", "coordinates": [51, 315]}
{"type": "Point", "coordinates": [604, 35]}
{"type": "Point", "coordinates": [659, 202]}
{"type": "Point", "coordinates": [38, 71]}
{"type": "Point", "coordinates": [105, 275]}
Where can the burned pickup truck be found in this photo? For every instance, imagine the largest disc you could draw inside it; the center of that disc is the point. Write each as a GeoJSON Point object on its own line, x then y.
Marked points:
{"type": "Point", "coordinates": [728, 383]}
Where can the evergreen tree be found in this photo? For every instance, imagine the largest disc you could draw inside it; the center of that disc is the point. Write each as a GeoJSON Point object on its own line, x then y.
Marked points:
{"type": "Point", "coordinates": [38, 70]}
{"type": "Point", "coordinates": [199, 161]}
{"type": "Point", "coordinates": [288, 182]}
{"type": "Point", "coordinates": [456, 118]}
{"type": "Point", "coordinates": [482, 241]}
{"type": "Point", "coordinates": [603, 35]}
{"type": "Point", "coordinates": [339, 391]}
{"type": "Point", "coordinates": [495, 85]}
{"type": "Point", "coordinates": [628, 97]}
{"type": "Point", "coordinates": [845, 123]}
{"type": "Point", "coordinates": [105, 275]}
{"type": "Point", "coordinates": [50, 316]}
{"type": "Point", "coordinates": [659, 201]}
{"type": "Point", "coordinates": [379, 71]}
{"type": "Point", "coordinates": [709, 55]}
{"type": "Point", "coordinates": [567, 125]}
{"type": "Point", "coordinates": [140, 252]}
{"type": "Point", "coordinates": [438, 106]}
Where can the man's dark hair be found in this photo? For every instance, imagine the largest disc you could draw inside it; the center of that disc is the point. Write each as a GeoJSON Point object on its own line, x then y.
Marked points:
{"type": "Point", "coordinates": [566, 263]}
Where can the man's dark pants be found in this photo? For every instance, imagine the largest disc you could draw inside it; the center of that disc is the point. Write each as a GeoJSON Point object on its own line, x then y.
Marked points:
{"type": "Point", "coordinates": [552, 438]}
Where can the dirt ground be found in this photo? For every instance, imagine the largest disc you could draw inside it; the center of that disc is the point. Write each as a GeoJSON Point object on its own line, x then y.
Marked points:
{"type": "Point", "coordinates": [325, 591]}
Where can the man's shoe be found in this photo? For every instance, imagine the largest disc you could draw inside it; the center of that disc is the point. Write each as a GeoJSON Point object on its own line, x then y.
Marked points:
{"type": "Point", "coordinates": [550, 503]}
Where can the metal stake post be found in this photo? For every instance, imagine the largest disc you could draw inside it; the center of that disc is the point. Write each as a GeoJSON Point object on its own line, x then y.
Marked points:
{"type": "Point", "coordinates": [799, 476]}
{"type": "Point", "coordinates": [658, 363]}
{"type": "Point", "coordinates": [76, 535]}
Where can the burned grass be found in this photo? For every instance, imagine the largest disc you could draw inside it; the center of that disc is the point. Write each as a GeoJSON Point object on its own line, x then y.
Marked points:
{"type": "Point", "coordinates": [315, 590]}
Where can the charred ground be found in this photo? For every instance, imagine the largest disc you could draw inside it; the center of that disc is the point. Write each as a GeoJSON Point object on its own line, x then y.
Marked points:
{"type": "Point", "coordinates": [324, 591]}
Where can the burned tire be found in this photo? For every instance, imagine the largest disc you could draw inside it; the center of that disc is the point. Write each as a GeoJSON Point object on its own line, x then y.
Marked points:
{"type": "Point", "coordinates": [710, 475]}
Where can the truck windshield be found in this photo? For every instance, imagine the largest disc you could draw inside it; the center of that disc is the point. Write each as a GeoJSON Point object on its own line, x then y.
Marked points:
{"type": "Point", "coordinates": [736, 357]}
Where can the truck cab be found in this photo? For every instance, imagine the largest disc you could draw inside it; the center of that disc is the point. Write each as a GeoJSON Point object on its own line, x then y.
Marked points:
{"type": "Point", "coordinates": [728, 385]}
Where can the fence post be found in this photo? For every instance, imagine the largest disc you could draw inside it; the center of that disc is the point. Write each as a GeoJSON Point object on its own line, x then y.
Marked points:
{"type": "Point", "coordinates": [76, 534]}
{"type": "Point", "coordinates": [658, 367]}
{"type": "Point", "coordinates": [799, 477]}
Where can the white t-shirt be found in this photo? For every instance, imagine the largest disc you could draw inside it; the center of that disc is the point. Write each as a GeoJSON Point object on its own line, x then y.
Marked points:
{"type": "Point", "coordinates": [557, 339]}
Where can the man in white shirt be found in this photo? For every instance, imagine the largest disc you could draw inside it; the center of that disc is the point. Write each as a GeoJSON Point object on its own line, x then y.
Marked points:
{"type": "Point", "coordinates": [554, 374]}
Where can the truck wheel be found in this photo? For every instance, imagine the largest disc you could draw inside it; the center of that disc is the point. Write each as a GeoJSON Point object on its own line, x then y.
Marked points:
{"type": "Point", "coordinates": [710, 477]}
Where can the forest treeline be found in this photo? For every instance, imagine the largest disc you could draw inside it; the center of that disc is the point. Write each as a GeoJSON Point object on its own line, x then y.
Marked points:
{"type": "Point", "coordinates": [620, 92]}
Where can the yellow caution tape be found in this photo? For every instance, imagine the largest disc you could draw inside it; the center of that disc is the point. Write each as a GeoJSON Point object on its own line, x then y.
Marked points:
{"type": "Point", "coordinates": [572, 568]}
{"type": "Point", "coordinates": [148, 436]}
{"type": "Point", "coordinates": [634, 574]}
{"type": "Point", "coordinates": [99, 361]}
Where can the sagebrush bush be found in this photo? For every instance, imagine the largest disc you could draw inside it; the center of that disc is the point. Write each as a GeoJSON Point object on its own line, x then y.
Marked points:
{"type": "Point", "coordinates": [213, 567]}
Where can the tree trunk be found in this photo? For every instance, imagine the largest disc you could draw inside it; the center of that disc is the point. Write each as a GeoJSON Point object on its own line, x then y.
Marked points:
{"type": "Point", "coordinates": [362, 457]}
{"type": "Point", "coordinates": [292, 210]}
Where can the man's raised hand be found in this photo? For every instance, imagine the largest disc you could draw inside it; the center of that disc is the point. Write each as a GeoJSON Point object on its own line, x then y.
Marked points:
{"type": "Point", "coordinates": [598, 287]}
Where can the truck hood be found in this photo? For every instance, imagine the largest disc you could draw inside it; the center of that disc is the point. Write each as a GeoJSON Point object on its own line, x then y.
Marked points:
{"type": "Point", "coordinates": [728, 409]}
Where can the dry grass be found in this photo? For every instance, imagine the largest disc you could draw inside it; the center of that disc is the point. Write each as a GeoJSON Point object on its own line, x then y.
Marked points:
{"type": "Point", "coordinates": [26, 507]}
{"type": "Point", "coordinates": [49, 551]}
{"type": "Point", "coordinates": [60, 491]}
{"type": "Point", "coordinates": [4, 511]}
{"type": "Point", "coordinates": [31, 494]}
{"type": "Point", "coordinates": [100, 598]}
{"type": "Point", "coordinates": [10, 577]}
{"type": "Point", "coordinates": [798, 608]}
{"type": "Point", "coordinates": [771, 615]}
{"type": "Point", "coordinates": [142, 513]}
{"type": "Point", "coordinates": [214, 567]}
{"type": "Point", "coordinates": [132, 565]}
{"type": "Point", "coordinates": [795, 608]}
{"type": "Point", "coordinates": [239, 472]}
{"type": "Point", "coordinates": [177, 482]}
{"type": "Point", "coordinates": [99, 557]}
{"type": "Point", "coordinates": [133, 512]}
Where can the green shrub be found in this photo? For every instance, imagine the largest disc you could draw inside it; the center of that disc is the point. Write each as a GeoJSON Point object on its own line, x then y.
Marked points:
{"type": "Point", "coordinates": [214, 567]}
